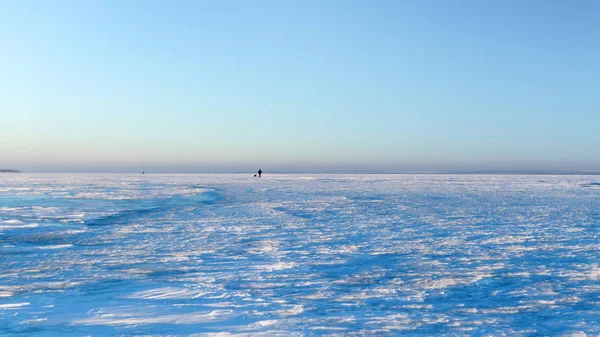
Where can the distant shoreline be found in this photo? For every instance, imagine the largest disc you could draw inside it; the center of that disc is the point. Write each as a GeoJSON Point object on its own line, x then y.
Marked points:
{"type": "Point", "coordinates": [540, 173]}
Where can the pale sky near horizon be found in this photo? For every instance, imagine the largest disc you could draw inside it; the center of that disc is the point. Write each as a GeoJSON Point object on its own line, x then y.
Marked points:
{"type": "Point", "coordinates": [196, 86]}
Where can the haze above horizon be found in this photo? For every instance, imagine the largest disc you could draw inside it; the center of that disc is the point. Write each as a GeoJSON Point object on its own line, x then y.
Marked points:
{"type": "Point", "coordinates": [199, 86]}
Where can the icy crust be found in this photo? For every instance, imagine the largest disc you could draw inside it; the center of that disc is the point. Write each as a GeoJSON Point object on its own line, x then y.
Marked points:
{"type": "Point", "coordinates": [298, 255]}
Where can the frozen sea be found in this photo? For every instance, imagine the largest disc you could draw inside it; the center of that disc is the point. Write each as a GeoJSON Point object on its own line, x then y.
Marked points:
{"type": "Point", "coordinates": [299, 255]}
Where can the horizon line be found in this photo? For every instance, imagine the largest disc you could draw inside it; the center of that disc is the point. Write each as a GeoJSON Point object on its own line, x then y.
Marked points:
{"type": "Point", "coordinates": [454, 172]}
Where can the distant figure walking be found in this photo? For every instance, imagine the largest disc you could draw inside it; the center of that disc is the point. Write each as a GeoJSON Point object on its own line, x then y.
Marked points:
{"type": "Point", "coordinates": [259, 172]}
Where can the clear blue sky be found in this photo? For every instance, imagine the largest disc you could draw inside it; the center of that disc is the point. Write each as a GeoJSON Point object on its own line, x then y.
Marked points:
{"type": "Point", "coordinates": [299, 85]}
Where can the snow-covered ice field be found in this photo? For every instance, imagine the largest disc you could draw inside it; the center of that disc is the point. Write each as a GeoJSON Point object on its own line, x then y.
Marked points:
{"type": "Point", "coordinates": [287, 255]}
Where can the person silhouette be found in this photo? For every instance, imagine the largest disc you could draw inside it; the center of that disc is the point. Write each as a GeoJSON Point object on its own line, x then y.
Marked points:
{"type": "Point", "coordinates": [259, 172]}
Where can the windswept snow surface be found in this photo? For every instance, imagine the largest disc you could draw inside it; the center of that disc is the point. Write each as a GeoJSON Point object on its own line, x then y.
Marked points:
{"type": "Point", "coordinates": [298, 255]}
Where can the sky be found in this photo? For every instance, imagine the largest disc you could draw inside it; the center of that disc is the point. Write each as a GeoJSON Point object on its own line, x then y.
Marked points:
{"type": "Point", "coordinates": [294, 86]}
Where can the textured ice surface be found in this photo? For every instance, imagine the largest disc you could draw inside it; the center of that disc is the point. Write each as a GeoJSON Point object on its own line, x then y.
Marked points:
{"type": "Point", "coordinates": [288, 255]}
